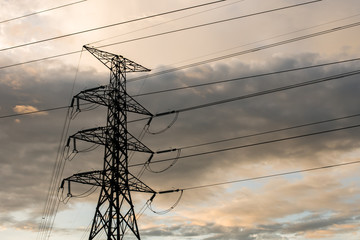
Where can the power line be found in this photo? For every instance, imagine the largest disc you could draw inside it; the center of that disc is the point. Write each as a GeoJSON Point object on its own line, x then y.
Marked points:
{"type": "Point", "coordinates": [33, 112]}
{"type": "Point", "coordinates": [205, 61]}
{"type": "Point", "coordinates": [271, 175]}
{"type": "Point", "coordinates": [162, 23]}
{"type": "Point", "coordinates": [203, 186]}
{"type": "Point", "coordinates": [261, 133]}
{"type": "Point", "coordinates": [110, 25]}
{"type": "Point", "coordinates": [207, 24]}
{"type": "Point", "coordinates": [245, 136]}
{"type": "Point", "coordinates": [40, 59]}
{"type": "Point", "coordinates": [52, 203]}
{"type": "Point", "coordinates": [272, 131]}
{"type": "Point", "coordinates": [248, 51]}
{"type": "Point", "coordinates": [256, 94]}
{"type": "Point", "coordinates": [246, 77]}
{"type": "Point", "coordinates": [333, 77]}
{"type": "Point", "coordinates": [43, 11]}
{"type": "Point", "coordinates": [250, 145]}
{"type": "Point", "coordinates": [74, 52]}
{"type": "Point", "coordinates": [273, 37]}
{"type": "Point", "coordinates": [47, 110]}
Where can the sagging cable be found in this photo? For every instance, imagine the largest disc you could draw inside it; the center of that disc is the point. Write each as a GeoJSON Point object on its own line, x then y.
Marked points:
{"type": "Point", "coordinates": [142, 210]}
{"type": "Point", "coordinates": [148, 162]}
{"type": "Point", "coordinates": [86, 193]}
{"type": "Point", "coordinates": [169, 209]}
{"type": "Point", "coordinates": [147, 126]}
{"type": "Point", "coordinates": [90, 108]}
{"type": "Point", "coordinates": [89, 149]}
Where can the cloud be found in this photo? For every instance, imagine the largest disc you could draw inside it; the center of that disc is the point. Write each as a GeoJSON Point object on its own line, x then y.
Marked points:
{"type": "Point", "coordinates": [28, 109]}
{"type": "Point", "coordinates": [279, 198]}
{"type": "Point", "coordinates": [318, 204]}
{"type": "Point", "coordinates": [29, 149]}
{"type": "Point", "coordinates": [285, 231]}
{"type": "Point", "coordinates": [251, 116]}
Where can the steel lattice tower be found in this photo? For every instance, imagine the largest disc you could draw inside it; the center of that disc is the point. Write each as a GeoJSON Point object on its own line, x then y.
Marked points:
{"type": "Point", "coordinates": [114, 213]}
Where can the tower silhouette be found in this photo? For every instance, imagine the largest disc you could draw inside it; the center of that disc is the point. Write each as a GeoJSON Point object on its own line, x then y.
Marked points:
{"type": "Point", "coordinates": [114, 212]}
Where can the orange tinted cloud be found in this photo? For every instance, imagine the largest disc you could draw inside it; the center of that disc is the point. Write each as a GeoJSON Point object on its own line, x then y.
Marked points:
{"type": "Point", "coordinates": [27, 109]}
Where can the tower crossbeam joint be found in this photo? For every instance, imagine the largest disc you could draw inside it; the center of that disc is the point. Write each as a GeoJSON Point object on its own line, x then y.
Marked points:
{"type": "Point", "coordinates": [107, 59]}
{"type": "Point", "coordinates": [98, 95]}
{"type": "Point", "coordinates": [99, 178]}
{"type": "Point", "coordinates": [99, 136]}
{"type": "Point", "coordinates": [102, 96]}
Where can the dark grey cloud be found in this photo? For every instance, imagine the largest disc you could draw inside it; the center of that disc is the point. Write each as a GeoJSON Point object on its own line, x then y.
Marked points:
{"type": "Point", "coordinates": [29, 147]}
{"type": "Point", "coordinates": [29, 143]}
{"type": "Point", "coordinates": [303, 105]}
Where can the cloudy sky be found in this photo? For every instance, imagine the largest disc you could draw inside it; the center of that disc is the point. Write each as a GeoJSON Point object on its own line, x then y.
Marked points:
{"type": "Point", "coordinates": [254, 204]}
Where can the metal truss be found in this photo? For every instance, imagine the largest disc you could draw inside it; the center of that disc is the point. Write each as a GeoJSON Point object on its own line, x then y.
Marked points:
{"type": "Point", "coordinates": [98, 136]}
{"type": "Point", "coordinates": [102, 96]}
{"type": "Point", "coordinates": [114, 214]}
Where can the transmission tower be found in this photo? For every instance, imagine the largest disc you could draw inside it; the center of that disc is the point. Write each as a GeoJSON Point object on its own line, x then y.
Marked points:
{"type": "Point", "coordinates": [114, 212]}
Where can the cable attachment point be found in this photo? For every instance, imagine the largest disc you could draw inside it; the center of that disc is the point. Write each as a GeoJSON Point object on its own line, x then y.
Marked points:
{"type": "Point", "coordinates": [74, 152]}
{"type": "Point", "coordinates": [68, 142]}
{"type": "Point", "coordinates": [62, 184]}
{"type": "Point", "coordinates": [166, 128]}
{"type": "Point", "coordinates": [152, 197]}
{"type": "Point", "coordinates": [61, 194]}
{"type": "Point", "coordinates": [150, 120]}
{"type": "Point", "coordinates": [169, 191]}
{"type": "Point", "coordinates": [72, 102]}
{"type": "Point", "coordinates": [165, 151]}
{"type": "Point", "coordinates": [148, 162]}
{"type": "Point", "coordinates": [77, 110]}
{"type": "Point", "coordinates": [172, 207]}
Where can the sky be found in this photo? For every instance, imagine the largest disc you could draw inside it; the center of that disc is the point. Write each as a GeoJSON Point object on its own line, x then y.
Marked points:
{"type": "Point", "coordinates": [226, 193]}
